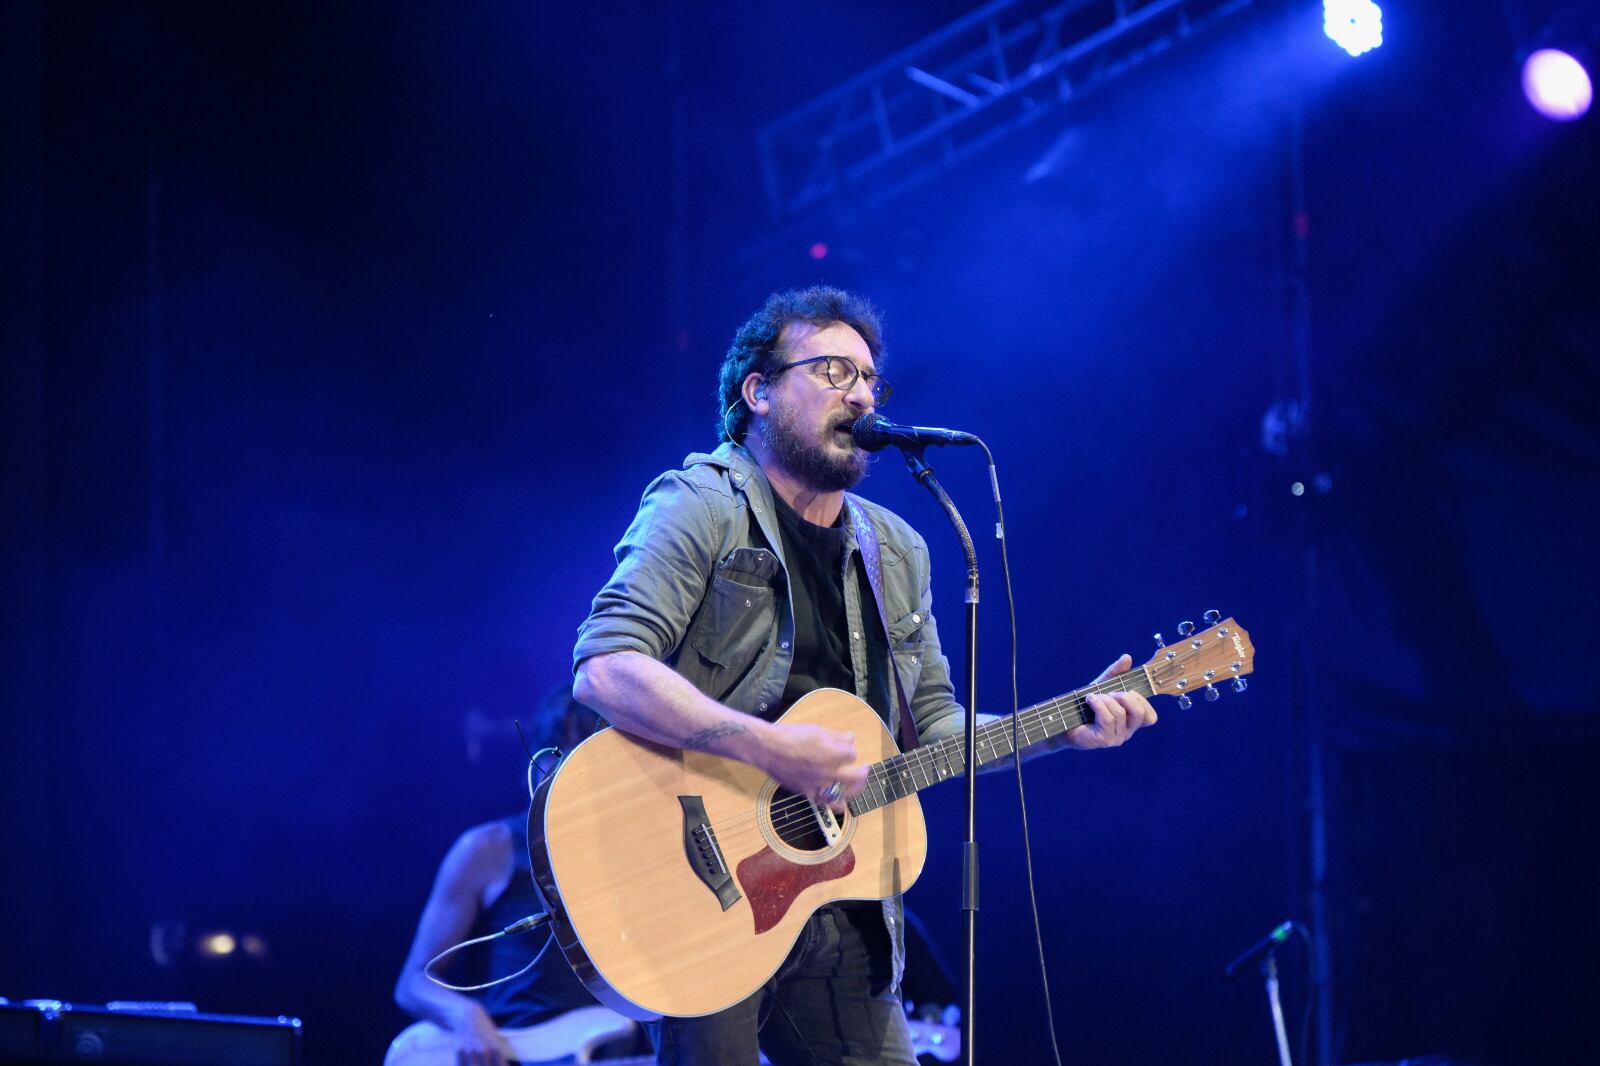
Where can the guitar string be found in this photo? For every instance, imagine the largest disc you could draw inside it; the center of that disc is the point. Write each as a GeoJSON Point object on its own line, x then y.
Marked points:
{"type": "Point", "coordinates": [925, 762]}
{"type": "Point", "coordinates": [922, 767]}
{"type": "Point", "coordinates": [999, 733]}
{"type": "Point", "coordinates": [797, 810]}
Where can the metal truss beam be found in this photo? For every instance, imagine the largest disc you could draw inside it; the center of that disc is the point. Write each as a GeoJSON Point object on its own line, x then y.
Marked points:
{"type": "Point", "coordinates": [955, 92]}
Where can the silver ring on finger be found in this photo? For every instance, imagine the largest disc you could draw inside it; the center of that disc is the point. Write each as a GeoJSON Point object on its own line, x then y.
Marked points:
{"type": "Point", "coordinates": [832, 793]}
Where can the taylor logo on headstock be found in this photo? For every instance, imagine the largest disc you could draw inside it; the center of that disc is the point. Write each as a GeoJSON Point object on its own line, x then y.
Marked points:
{"type": "Point", "coordinates": [1201, 660]}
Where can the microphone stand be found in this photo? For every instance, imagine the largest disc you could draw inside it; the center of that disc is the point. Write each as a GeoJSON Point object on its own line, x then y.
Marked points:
{"type": "Point", "coordinates": [969, 848]}
{"type": "Point", "coordinates": [1266, 949]}
{"type": "Point", "coordinates": [1269, 974]}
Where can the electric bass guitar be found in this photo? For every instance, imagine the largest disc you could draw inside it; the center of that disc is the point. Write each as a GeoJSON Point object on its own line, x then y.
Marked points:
{"type": "Point", "coordinates": [677, 881]}
{"type": "Point", "coordinates": [575, 1036]}
{"type": "Point", "coordinates": [570, 1037]}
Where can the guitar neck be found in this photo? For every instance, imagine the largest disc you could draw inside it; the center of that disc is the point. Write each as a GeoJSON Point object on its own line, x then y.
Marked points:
{"type": "Point", "coordinates": [930, 764]}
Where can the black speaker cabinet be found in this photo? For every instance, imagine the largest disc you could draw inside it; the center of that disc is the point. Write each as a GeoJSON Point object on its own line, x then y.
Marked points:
{"type": "Point", "coordinates": [39, 1032]}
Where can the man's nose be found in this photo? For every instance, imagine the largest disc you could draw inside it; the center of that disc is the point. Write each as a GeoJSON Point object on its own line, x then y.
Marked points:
{"type": "Point", "coordinates": [860, 395]}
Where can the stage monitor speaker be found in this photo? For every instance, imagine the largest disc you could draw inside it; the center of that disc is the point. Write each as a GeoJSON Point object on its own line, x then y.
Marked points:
{"type": "Point", "coordinates": [41, 1032]}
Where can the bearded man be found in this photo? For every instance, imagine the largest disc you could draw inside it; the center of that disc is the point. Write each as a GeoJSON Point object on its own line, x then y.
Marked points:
{"type": "Point", "coordinates": [741, 585]}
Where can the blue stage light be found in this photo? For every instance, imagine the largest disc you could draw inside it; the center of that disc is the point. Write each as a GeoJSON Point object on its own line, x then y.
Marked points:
{"type": "Point", "coordinates": [1354, 25]}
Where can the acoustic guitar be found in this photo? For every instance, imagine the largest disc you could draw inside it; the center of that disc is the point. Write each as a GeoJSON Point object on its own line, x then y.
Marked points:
{"type": "Point", "coordinates": [678, 881]}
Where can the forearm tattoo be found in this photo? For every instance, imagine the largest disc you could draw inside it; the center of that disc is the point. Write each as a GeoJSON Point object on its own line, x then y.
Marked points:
{"type": "Point", "coordinates": [704, 738]}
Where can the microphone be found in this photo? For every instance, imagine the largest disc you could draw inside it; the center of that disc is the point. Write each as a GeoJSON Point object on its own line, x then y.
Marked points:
{"type": "Point", "coordinates": [1260, 949]}
{"type": "Point", "coordinates": [874, 432]}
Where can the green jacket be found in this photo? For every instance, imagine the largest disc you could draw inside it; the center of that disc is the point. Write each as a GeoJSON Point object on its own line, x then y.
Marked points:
{"type": "Point", "coordinates": [700, 585]}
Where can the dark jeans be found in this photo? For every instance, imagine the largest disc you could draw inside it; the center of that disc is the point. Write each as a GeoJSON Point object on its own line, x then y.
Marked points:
{"type": "Point", "coordinates": [829, 1004]}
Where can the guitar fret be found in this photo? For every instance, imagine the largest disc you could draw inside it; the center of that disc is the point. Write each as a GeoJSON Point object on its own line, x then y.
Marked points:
{"type": "Point", "coordinates": [905, 782]}
{"type": "Point", "coordinates": [875, 788]}
{"type": "Point", "coordinates": [887, 785]}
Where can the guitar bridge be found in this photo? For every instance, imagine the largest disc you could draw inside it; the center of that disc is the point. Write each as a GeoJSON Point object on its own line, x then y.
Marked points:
{"type": "Point", "coordinates": [827, 823]}
{"type": "Point", "coordinates": [704, 853]}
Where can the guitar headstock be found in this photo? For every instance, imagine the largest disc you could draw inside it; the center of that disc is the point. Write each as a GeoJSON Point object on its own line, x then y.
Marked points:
{"type": "Point", "coordinates": [1201, 661]}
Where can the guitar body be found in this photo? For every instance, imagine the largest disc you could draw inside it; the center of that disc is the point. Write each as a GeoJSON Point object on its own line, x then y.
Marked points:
{"type": "Point", "coordinates": [678, 881]}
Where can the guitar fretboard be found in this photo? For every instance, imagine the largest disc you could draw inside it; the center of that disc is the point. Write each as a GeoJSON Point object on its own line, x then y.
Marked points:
{"type": "Point", "coordinates": [930, 764]}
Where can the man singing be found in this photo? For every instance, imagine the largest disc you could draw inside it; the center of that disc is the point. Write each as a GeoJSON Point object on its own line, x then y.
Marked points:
{"type": "Point", "coordinates": [741, 585]}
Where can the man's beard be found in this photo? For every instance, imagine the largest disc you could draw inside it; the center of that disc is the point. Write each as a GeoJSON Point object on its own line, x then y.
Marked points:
{"type": "Point", "coordinates": [812, 462]}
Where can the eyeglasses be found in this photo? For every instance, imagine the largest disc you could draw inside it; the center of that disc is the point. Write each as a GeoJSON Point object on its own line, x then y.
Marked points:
{"type": "Point", "coordinates": [842, 374]}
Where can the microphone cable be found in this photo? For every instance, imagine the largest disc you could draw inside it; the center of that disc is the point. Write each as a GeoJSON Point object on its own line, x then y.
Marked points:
{"type": "Point", "coordinates": [1016, 755]}
{"type": "Point", "coordinates": [531, 922]}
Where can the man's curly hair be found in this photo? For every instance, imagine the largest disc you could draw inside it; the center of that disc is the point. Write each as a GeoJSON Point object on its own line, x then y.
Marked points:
{"type": "Point", "coordinates": [755, 345]}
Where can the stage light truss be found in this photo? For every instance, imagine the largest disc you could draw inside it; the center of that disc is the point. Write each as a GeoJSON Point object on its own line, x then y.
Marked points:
{"type": "Point", "coordinates": [956, 91]}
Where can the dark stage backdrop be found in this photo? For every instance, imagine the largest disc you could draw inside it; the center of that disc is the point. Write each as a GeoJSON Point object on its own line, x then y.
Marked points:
{"type": "Point", "coordinates": [342, 341]}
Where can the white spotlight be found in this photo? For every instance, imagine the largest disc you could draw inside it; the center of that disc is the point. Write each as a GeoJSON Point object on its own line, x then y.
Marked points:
{"type": "Point", "coordinates": [1557, 85]}
{"type": "Point", "coordinates": [1354, 25]}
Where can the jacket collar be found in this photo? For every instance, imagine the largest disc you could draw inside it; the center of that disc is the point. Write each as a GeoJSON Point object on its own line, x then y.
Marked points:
{"type": "Point", "coordinates": [734, 458]}
{"type": "Point", "coordinates": [748, 478]}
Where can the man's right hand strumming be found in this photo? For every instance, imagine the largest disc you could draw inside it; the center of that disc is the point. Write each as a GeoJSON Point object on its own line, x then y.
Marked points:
{"type": "Point", "coordinates": [811, 760]}
{"type": "Point", "coordinates": [642, 696]}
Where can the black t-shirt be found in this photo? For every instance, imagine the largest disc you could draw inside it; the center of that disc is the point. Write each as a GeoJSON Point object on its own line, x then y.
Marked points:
{"type": "Point", "coordinates": [814, 557]}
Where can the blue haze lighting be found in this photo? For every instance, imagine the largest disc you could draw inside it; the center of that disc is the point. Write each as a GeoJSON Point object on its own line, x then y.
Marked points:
{"type": "Point", "coordinates": [1354, 25]}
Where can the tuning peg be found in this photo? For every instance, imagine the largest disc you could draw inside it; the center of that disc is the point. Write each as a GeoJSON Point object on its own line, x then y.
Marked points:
{"type": "Point", "coordinates": [1212, 695]}
{"type": "Point", "coordinates": [1159, 642]}
{"type": "Point", "coordinates": [1212, 617]}
{"type": "Point", "coordinates": [1185, 628]}
{"type": "Point", "coordinates": [1184, 702]}
{"type": "Point", "coordinates": [1240, 684]}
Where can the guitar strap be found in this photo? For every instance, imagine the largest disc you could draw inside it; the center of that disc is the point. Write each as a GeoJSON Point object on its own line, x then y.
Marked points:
{"type": "Point", "coordinates": [867, 544]}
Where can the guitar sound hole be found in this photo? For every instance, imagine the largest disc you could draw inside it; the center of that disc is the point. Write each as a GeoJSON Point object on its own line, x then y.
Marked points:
{"type": "Point", "coordinates": [795, 822]}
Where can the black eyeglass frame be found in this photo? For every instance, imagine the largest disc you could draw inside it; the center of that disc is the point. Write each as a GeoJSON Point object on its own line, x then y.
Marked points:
{"type": "Point", "coordinates": [877, 384]}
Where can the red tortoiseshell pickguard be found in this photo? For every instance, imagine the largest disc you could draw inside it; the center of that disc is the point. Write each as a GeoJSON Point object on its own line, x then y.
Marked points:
{"type": "Point", "coordinates": [771, 882]}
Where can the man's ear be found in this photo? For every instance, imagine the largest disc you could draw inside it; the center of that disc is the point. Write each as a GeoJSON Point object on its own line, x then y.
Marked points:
{"type": "Point", "coordinates": [755, 394]}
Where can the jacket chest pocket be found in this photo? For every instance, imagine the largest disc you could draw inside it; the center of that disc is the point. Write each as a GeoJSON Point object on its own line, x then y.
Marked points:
{"type": "Point", "coordinates": [737, 621]}
{"type": "Point", "coordinates": [907, 646]}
